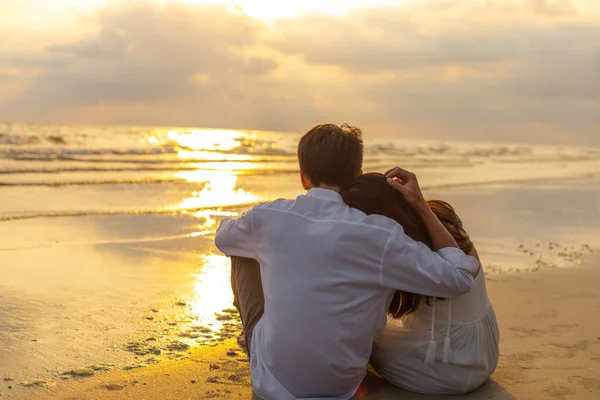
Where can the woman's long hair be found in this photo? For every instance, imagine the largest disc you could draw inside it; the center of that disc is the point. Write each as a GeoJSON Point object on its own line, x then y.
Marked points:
{"type": "Point", "coordinates": [372, 195]}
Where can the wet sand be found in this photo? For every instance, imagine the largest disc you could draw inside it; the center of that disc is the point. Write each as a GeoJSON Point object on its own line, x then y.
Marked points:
{"type": "Point", "coordinates": [550, 349]}
{"type": "Point", "coordinates": [117, 291]}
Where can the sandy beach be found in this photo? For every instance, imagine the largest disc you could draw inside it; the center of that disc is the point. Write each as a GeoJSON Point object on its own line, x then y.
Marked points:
{"type": "Point", "coordinates": [111, 287]}
{"type": "Point", "coordinates": [550, 349]}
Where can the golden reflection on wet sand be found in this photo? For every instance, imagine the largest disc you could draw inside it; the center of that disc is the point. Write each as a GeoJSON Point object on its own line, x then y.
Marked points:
{"type": "Point", "coordinates": [212, 291]}
{"type": "Point", "coordinates": [218, 181]}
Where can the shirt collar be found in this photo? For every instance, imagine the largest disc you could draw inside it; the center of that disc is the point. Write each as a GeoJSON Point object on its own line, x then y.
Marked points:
{"type": "Point", "coordinates": [326, 194]}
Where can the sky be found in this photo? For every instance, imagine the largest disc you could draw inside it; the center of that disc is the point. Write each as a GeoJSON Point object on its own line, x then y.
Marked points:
{"type": "Point", "coordinates": [485, 70]}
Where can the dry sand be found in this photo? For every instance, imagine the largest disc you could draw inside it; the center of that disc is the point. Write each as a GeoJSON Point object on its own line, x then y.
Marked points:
{"type": "Point", "coordinates": [550, 338]}
{"type": "Point", "coordinates": [550, 349]}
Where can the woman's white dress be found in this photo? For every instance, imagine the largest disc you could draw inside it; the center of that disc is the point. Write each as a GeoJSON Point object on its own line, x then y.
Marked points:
{"type": "Point", "coordinates": [448, 347]}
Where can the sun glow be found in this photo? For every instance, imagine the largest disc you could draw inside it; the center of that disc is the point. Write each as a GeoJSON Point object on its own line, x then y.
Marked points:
{"type": "Point", "coordinates": [261, 9]}
{"type": "Point", "coordinates": [265, 10]}
{"type": "Point", "coordinates": [270, 9]}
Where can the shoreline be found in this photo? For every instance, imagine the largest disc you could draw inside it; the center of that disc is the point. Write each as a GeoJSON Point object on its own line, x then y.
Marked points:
{"type": "Point", "coordinates": [577, 178]}
{"type": "Point", "coordinates": [550, 348]}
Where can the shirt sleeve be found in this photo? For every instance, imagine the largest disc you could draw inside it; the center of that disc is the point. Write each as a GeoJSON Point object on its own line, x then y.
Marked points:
{"type": "Point", "coordinates": [237, 236]}
{"type": "Point", "coordinates": [411, 266]}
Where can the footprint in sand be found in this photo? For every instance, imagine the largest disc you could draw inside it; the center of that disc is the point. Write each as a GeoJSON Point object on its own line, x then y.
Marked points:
{"type": "Point", "coordinates": [559, 392]}
{"type": "Point", "coordinates": [581, 345]}
{"type": "Point", "coordinates": [546, 315]}
{"type": "Point", "coordinates": [590, 384]}
{"type": "Point", "coordinates": [524, 361]}
{"type": "Point", "coordinates": [526, 332]}
{"type": "Point", "coordinates": [571, 349]}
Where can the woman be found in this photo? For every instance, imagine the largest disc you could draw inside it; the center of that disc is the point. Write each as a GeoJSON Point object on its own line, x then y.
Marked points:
{"type": "Point", "coordinates": [431, 346]}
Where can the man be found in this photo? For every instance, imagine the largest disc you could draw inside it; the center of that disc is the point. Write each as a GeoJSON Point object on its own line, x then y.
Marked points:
{"type": "Point", "coordinates": [326, 269]}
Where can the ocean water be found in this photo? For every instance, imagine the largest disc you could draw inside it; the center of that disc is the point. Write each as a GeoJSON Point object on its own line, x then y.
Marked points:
{"type": "Point", "coordinates": [107, 256]}
{"type": "Point", "coordinates": [82, 170]}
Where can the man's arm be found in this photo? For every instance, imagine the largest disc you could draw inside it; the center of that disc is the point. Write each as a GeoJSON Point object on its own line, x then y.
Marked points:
{"type": "Point", "coordinates": [410, 265]}
{"type": "Point", "coordinates": [237, 237]}
{"type": "Point", "coordinates": [413, 267]}
{"type": "Point", "coordinates": [406, 183]}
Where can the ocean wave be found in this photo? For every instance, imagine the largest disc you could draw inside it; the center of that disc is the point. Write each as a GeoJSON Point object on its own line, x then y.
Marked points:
{"type": "Point", "coordinates": [47, 143]}
{"type": "Point", "coordinates": [168, 159]}
{"type": "Point", "coordinates": [24, 140]}
{"type": "Point", "coordinates": [132, 181]}
{"type": "Point", "coordinates": [18, 140]}
{"type": "Point", "coordinates": [56, 170]}
{"type": "Point", "coordinates": [143, 154]}
{"type": "Point", "coordinates": [476, 151]}
{"type": "Point", "coordinates": [242, 167]}
{"type": "Point", "coordinates": [58, 151]}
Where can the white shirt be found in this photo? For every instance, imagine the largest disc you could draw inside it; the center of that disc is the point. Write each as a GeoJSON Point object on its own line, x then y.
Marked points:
{"type": "Point", "coordinates": [326, 270]}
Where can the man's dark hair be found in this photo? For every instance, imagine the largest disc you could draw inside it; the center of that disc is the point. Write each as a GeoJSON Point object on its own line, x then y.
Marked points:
{"type": "Point", "coordinates": [331, 154]}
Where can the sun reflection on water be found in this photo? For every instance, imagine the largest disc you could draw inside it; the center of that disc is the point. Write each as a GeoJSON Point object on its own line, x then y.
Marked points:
{"type": "Point", "coordinates": [219, 190]}
{"type": "Point", "coordinates": [208, 155]}
{"type": "Point", "coordinates": [240, 168]}
{"type": "Point", "coordinates": [219, 177]}
{"type": "Point", "coordinates": [211, 140]}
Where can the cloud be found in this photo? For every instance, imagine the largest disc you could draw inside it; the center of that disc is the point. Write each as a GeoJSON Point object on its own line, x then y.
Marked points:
{"type": "Point", "coordinates": [148, 52]}
{"type": "Point", "coordinates": [514, 67]}
{"type": "Point", "coordinates": [482, 70]}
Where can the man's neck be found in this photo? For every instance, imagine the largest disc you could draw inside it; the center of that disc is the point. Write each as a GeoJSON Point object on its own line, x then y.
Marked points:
{"type": "Point", "coordinates": [325, 186]}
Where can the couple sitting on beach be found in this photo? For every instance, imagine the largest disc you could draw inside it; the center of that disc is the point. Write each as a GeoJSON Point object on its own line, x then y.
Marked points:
{"type": "Point", "coordinates": [316, 279]}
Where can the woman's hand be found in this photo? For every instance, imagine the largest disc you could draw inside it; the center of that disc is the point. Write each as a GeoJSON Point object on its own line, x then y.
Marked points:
{"type": "Point", "coordinates": [406, 183]}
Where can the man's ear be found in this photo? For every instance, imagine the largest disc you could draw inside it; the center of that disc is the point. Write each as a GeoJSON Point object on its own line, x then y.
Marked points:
{"type": "Point", "coordinates": [306, 184]}
{"type": "Point", "coordinates": [360, 172]}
